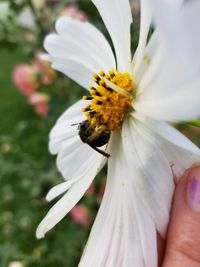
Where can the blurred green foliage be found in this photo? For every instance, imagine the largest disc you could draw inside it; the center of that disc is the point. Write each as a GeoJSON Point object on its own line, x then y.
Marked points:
{"type": "Point", "coordinates": [27, 173]}
{"type": "Point", "coordinates": [27, 170]}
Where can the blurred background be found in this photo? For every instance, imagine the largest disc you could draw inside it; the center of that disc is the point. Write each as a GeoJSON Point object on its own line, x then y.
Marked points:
{"type": "Point", "coordinates": [32, 97]}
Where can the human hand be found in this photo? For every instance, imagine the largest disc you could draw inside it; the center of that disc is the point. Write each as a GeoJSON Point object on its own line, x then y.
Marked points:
{"type": "Point", "coordinates": [182, 247]}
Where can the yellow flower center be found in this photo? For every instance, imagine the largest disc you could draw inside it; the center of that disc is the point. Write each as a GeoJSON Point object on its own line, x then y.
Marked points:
{"type": "Point", "coordinates": [110, 101]}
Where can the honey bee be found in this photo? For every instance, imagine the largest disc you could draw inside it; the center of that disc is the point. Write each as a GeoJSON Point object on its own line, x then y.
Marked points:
{"type": "Point", "coordinates": [93, 136]}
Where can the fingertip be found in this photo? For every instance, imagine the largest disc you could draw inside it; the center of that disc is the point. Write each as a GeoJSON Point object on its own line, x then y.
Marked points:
{"type": "Point", "coordinates": [183, 240]}
{"type": "Point", "coordinates": [193, 189]}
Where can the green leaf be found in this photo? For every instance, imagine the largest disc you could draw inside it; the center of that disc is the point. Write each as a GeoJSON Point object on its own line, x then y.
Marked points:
{"type": "Point", "coordinates": [195, 123]}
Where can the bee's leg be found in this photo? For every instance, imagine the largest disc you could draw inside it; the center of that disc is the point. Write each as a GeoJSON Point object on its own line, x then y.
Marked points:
{"type": "Point", "coordinates": [74, 124]}
{"type": "Point", "coordinates": [100, 151]}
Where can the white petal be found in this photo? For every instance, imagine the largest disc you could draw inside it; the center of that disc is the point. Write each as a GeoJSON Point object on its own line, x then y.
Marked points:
{"type": "Point", "coordinates": [173, 75]}
{"type": "Point", "coordinates": [79, 50]}
{"type": "Point", "coordinates": [182, 105]}
{"type": "Point", "coordinates": [173, 93]}
{"type": "Point", "coordinates": [75, 154]}
{"type": "Point", "coordinates": [69, 200]}
{"type": "Point", "coordinates": [180, 159]}
{"type": "Point", "coordinates": [59, 189]}
{"type": "Point", "coordinates": [65, 141]}
{"type": "Point", "coordinates": [145, 22]}
{"type": "Point", "coordinates": [137, 200]}
{"type": "Point", "coordinates": [117, 17]}
{"type": "Point", "coordinates": [64, 130]}
{"type": "Point", "coordinates": [154, 178]}
{"type": "Point", "coordinates": [172, 135]}
{"type": "Point", "coordinates": [179, 18]}
{"type": "Point", "coordinates": [179, 150]}
{"type": "Point", "coordinates": [115, 239]}
{"type": "Point", "coordinates": [150, 66]}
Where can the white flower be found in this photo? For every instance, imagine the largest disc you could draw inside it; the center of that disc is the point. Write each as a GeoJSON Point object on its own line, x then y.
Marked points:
{"type": "Point", "coordinates": [25, 18]}
{"type": "Point", "coordinates": [146, 152]}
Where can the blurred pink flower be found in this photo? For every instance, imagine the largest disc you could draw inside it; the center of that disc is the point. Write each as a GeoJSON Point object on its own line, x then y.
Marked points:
{"type": "Point", "coordinates": [80, 214]}
{"type": "Point", "coordinates": [25, 78]}
{"type": "Point", "coordinates": [44, 68]}
{"type": "Point", "coordinates": [40, 101]}
{"type": "Point", "coordinates": [42, 109]}
{"type": "Point", "coordinates": [91, 190]}
{"type": "Point", "coordinates": [72, 11]}
{"type": "Point", "coordinates": [80, 15]}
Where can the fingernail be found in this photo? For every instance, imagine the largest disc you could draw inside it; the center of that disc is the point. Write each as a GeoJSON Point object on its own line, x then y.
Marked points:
{"type": "Point", "coordinates": [193, 190]}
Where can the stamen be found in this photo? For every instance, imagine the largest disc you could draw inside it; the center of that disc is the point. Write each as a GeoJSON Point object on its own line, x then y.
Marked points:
{"type": "Point", "coordinates": [116, 88]}
{"type": "Point", "coordinates": [110, 101]}
{"type": "Point", "coordinates": [86, 109]}
{"type": "Point", "coordinates": [87, 97]}
{"type": "Point", "coordinates": [96, 78]}
{"type": "Point", "coordinates": [102, 73]}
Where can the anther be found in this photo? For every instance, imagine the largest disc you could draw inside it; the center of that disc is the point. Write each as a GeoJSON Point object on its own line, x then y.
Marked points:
{"type": "Point", "coordinates": [87, 97]}
{"type": "Point", "coordinates": [107, 77]}
{"type": "Point", "coordinates": [102, 83]}
{"type": "Point", "coordinates": [102, 73]}
{"type": "Point", "coordinates": [86, 109]}
{"type": "Point", "coordinates": [111, 72]}
{"type": "Point", "coordinates": [109, 89]}
{"type": "Point", "coordinates": [96, 93]}
{"type": "Point", "coordinates": [96, 78]}
{"type": "Point", "coordinates": [93, 91]}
